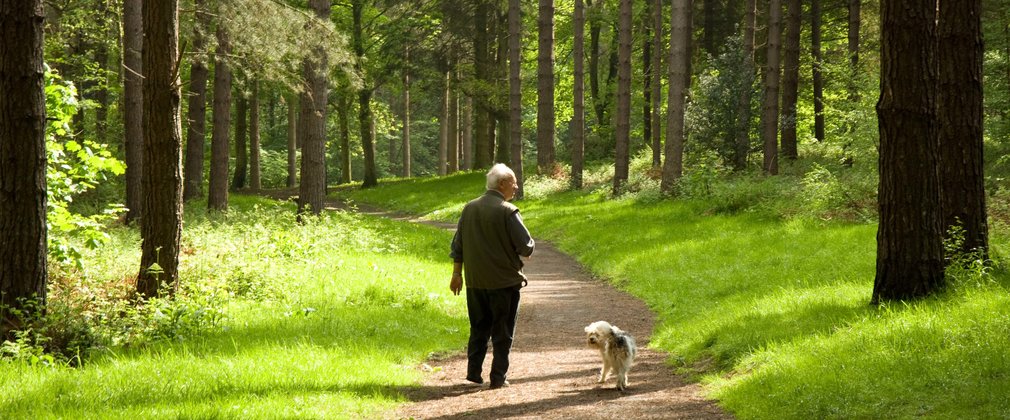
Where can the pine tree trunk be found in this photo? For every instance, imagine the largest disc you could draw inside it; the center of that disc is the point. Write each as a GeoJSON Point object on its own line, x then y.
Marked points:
{"type": "Point", "coordinates": [790, 80]}
{"type": "Point", "coordinates": [365, 122]}
{"type": "Point", "coordinates": [23, 250]}
{"type": "Point", "coordinates": [345, 139]}
{"type": "Point", "coordinates": [854, 23]}
{"type": "Point", "coordinates": [217, 194]}
{"type": "Point", "coordinates": [647, 71]}
{"type": "Point", "coordinates": [443, 126]}
{"type": "Point", "coordinates": [102, 90]}
{"type": "Point", "coordinates": [196, 109]}
{"type": "Point", "coordinates": [818, 60]}
{"type": "Point", "coordinates": [657, 84]}
{"type": "Point", "coordinates": [600, 103]}
{"type": "Point", "coordinates": [467, 136]}
{"type": "Point", "coordinates": [959, 114]}
{"type": "Point", "coordinates": [579, 102]}
{"type": "Point", "coordinates": [254, 138]}
{"type": "Point", "coordinates": [515, 91]}
{"type": "Point", "coordinates": [452, 135]}
{"type": "Point", "coordinates": [405, 143]}
{"type": "Point", "coordinates": [545, 87]}
{"type": "Point", "coordinates": [482, 153]}
{"type": "Point", "coordinates": [909, 247]}
{"type": "Point", "coordinates": [680, 61]}
{"type": "Point", "coordinates": [293, 114]}
{"type": "Point", "coordinates": [503, 148]}
{"type": "Point", "coordinates": [623, 120]}
{"type": "Point", "coordinates": [312, 188]}
{"type": "Point", "coordinates": [161, 223]}
{"type": "Point", "coordinates": [241, 131]}
{"type": "Point", "coordinates": [770, 102]}
{"type": "Point", "coordinates": [743, 107]}
{"type": "Point", "coordinates": [133, 109]}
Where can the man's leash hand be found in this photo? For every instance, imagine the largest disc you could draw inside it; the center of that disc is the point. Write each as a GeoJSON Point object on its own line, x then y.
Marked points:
{"type": "Point", "coordinates": [456, 284]}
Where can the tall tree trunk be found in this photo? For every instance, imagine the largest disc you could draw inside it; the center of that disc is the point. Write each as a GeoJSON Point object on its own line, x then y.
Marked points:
{"type": "Point", "coordinates": [312, 188]}
{"type": "Point", "coordinates": [623, 120]}
{"type": "Point", "coordinates": [241, 131]}
{"type": "Point", "coordinates": [293, 118]}
{"type": "Point", "coordinates": [161, 223]}
{"type": "Point", "coordinates": [579, 96]}
{"type": "Point", "coordinates": [23, 249]}
{"type": "Point", "coordinates": [443, 127]}
{"type": "Point", "coordinates": [483, 154]}
{"type": "Point", "coordinates": [500, 115]}
{"type": "Point", "coordinates": [545, 87]}
{"type": "Point", "coordinates": [709, 18]}
{"type": "Point", "coordinates": [600, 103]}
{"type": "Point", "coordinates": [790, 80]}
{"type": "Point", "coordinates": [854, 23]}
{"type": "Point", "coordinates": [133, 109]}
{"type": "Point", "coordinates": [254, 137]}
{"type": "Point", "coordinates": [196, 109]}
{"type": "Point", "coordinates": [102, 89]}
{"type": "Point", "coordinates": [467, 137]}
{"type": "Point", "coordinates": [743, 110]}
{"type": "Point", "coordinates": [657, 83]}
{"type": "Point", "coordinates": [647, 71]}
{"type": "Point", "coordinates": [217, 194]}
{"type": "Point", "coordinates": [909, 245]}
{"type": "Point", "coordinates": [770, 102]}
{"type": "Point", "coordinates": [405, 144]}
{"type": "Point", "coordinates": [818, 61]}
{"type": "Point", "coordinates": [680, 62]}
{"type": "Point", "coordinates": [365, 122]}
{"type": "Point", "coordinates": [452, 135]}
{"type": "Point", "coordinates": [345, 138]}
{"type": "Point", "coordinates": [515, 91]}
{"type": "Point", "coordinates": [959, 114]}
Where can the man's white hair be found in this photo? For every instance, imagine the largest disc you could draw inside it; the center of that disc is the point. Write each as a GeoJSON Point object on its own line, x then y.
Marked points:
{"type": "Point", "coordinates": [498, 173]}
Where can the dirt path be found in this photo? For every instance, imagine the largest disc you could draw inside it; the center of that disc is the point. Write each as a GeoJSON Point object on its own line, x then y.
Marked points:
{"type": "Point", "coordinates": [553, 372]}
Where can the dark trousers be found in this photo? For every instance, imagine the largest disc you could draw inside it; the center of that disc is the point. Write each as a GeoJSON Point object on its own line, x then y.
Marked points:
{"type": "Point", "coordinates": [493, 314]}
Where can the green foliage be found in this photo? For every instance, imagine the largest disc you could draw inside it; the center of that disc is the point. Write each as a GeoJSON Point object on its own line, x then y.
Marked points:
{"type": "Point", "coordinates": [712, 112]}
{"type": "Point", "coordinates": [73, 168]}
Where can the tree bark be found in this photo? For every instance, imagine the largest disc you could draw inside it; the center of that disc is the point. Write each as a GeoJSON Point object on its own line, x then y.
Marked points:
{"type": "Point", "coordinates": [483, 149]}
{"type": "Point", "coordinates": [790, 80]}
{"type": "Point", "coordinates": [443, 126]}
{"type": "Point", "coordinates": [854, 23]}
{"type": "Point", "coordinates": [909, 246]}
{"type": "Point", "coordinates": [647, 71]}
{"type": "Point", "coordinates": [467, 137]}
{"type": "Point", "coordinates": [241, 131]}
{"type": "Point", "coordinates": [545, 87]}
{"type": "Point", "coordinates": [743, 109]}
{"type": "Point", "coordinates": [161, 223]}
{"type": "Point", "coordinates": [133, 109]}
{"type": "Point", "coordinates": [657, 84]}
{"type": "Point", "coordinates": [217, 194]}
{"type": "Point", "coordinates": [345, 138]}
{"type": "Point", "coordinates": [196, 109]}
{"type": "Point", "coordinates": [312, 188]}
{"type": "Point", "coordinates": [23, 249]}
{"type": "Point", "coordinates": [623, 120]}
{"type": "Point", "coordinates": [365, 122]}
{"type": "Point", "coordinates": [578, 101]}
{"type": "Point", "coordinates": [503, 147]}
{"type": "Point", "coordinates": [254, 138]}
{"type": "Point", "coordinates": [959, 114]}
{"type": "Point", "coordinates": [452, 134]}
{"type": "Point", "coordinates": [515, 91]}
{"type": "Point", "coordinates": [405, 143]}
{"type": "Point", "coordinates": [770, 103]}
{"type": "Point", "coordinates": [680, 61]}
{"type": "Point", "coordinates": [293, 114]}
{"type": "Point", "coordinates": [818, 60]}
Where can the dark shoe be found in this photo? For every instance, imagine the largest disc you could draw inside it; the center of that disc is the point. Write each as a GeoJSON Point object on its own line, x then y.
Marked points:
{"type": "Point", "coordinates": [504, 384]}
{"type": "Point", "coordinates": [478, 380]}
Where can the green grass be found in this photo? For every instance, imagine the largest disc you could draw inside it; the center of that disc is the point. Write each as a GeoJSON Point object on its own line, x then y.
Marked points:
{"type": "Point", "coordinates": [771, 313]}
{"type": "Point", "coordinates": [325, 320]}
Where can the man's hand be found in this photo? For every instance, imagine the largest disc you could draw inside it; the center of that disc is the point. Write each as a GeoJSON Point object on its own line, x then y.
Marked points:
{"type": "Point", "coordinates": [456, 284]}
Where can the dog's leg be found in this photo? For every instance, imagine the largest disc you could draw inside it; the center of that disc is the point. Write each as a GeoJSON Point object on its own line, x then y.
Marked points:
{"type": "Point", "coordinates": [622, 379]}
{"type": "Point", "coordinates": [603, 370]}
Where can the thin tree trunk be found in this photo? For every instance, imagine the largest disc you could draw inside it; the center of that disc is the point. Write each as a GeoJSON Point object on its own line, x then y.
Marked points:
{"type": "Point", "coordinates": [515, 91]}
{"type": "Point", "coordinates": [708, 32]}
{"type": "Point", "coordinates": [312, 188]}
{"type": "Point", "coordinates": [102, 90]}
{"type": "Point", "coordinates": [23, 249]}
{"type": "Point", "coordinates": [959, 104]}
{"type": "Point", "coordinates": [367, 131]}
{"type": "Point", "coordinates": [292, 140]}
{"type": "Point", "coordinates": [818, 60]}
{"type": "Point", "coordinates": [578, 105]}
{"type": "Point", "coordinates": [854, 23]}
{"type": "Point", "coordinates": [161, 223]}
{"type": "Point", "coordinates": [790, 80]}
{"type": "Point", "coordinates": [241, 131]}
{"type": "Point", "coordinates": [443, 127]}
{"type": "Point", "coordinates": [405, 144]}
{"type": "Point", "coordinates": [133, 109]}
{"type": "Point", "coordinates": [467, 136]}
{"type": "Point", "coordinates": [197, 109]}
{"type": "Point", "coordinates": [217, 195]}
{"type": "Point", "coordinates": [770, 103]}
{"type": "Point", "coordinates": [657, 83]}
{"type": "Point", "coordinates": [623, 120]}
{"type": "Point", "coordinates": [600, 103]}
{"type": "Point", "coordinates": [909, 245]}
{"type": "Point", "coordinates": [452, 134]}
{"type": "Point", "coordinates": [647, 71]}
{"type": "Point", "coordinates": [680, 59]}
{"type": "Point", "coordinates": [254, 138]}
{"type": "Point", "coordinates": [345, 138]}
{"type": "Point", "coordinates": [483, 154]}
{"type": "Point", "coordinates": [545, 87]}
{"type": "Point", "coordinates": [743, 109]}
{"type": "Point", "coordinates": [500, 114]}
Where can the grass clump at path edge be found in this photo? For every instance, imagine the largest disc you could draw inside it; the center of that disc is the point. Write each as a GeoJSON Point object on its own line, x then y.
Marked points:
{"type": "Point", "coordinates": [772, 312]}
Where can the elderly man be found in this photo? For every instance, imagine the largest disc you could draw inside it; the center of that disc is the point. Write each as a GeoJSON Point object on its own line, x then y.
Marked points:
{"type": "Point", "coordinates": [490, 239]}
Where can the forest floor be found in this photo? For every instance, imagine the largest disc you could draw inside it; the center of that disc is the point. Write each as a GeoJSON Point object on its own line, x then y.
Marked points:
{"type": "Point", "coordinates": [552, 371]}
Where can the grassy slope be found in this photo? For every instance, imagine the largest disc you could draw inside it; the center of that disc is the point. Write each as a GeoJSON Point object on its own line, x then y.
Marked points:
{"type": "Point", "coordinates": [356, 303]}
{"type": "Point", "coordinates": [773, 314]}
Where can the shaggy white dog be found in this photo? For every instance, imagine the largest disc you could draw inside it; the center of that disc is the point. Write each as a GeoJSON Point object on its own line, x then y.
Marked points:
{"type": "Point", "coordinates": [617, 349]}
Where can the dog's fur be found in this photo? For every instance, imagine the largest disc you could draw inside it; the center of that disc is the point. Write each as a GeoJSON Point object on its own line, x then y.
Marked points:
{"type": "Point", "coordinates": [617, 348]}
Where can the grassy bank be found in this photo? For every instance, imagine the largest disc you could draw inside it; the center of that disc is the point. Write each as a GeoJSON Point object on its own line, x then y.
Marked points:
{"type": "Point", "coordinates": [770, 311]}
{"type": "Point", "coordinates": [323, 320]}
